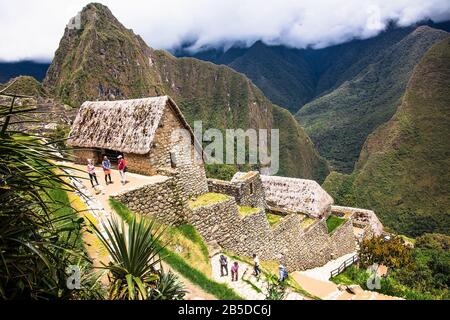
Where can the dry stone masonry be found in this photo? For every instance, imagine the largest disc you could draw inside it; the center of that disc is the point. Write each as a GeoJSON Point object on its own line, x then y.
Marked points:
{"type": "Point", "coordinates": [236, 220]}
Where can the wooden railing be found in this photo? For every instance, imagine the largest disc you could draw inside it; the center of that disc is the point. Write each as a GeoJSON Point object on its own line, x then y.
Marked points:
{"type": "Point", "coordinates": [347, 263]}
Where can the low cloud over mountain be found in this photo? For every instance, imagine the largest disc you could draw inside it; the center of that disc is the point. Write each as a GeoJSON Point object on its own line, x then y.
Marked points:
{"type": "Point", "coordinates": [34, 27]}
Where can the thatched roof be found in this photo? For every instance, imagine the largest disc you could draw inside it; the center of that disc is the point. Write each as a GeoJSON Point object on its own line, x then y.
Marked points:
{"type": "Point", "coordinates": [123, 125]}
{"type": "Point", "coordinates": [296, 195]}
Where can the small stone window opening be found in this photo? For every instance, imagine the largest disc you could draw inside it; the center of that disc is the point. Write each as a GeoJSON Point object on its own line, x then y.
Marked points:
{"type": "Point", "coordinates": [173, 160]}
{"type": "Point", "coordinates": [251, 188]}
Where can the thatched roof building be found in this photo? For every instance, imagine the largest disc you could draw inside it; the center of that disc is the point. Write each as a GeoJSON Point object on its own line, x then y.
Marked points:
{"type": "Point", "coordinates": [141, 130]}
{"type": "Point", "coordinates": [296, 195]}
{"type": "Point", "coordinates": [125, 125]}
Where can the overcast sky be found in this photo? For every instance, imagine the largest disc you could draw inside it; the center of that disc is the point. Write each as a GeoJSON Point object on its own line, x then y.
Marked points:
{"type": "Point", "coordinates": [32, 29]}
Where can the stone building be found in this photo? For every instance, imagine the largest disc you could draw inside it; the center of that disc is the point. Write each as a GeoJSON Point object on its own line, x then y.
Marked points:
{"type": "Point", "coordinates": [145, 132]}
{"type": "Point", "coordinates": [280, 194]}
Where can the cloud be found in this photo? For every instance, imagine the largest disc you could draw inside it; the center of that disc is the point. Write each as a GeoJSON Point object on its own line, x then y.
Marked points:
{"type": "Point", "coordinates": [32, 29]}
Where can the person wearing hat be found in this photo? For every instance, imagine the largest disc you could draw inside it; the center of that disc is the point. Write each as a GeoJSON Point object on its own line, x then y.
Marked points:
{"type": "Point", "coordinates": [122, 167]}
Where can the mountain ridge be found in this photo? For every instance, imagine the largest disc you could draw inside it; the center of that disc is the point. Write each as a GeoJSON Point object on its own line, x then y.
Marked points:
{"type": "Point", "coordinates": [104, 60]}
{"type": "Point", "coordinates": [402, 172]}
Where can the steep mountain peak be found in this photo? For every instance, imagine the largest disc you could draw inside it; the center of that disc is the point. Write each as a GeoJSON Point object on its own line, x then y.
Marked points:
{"type": "Point", "coordinates": [100, 59]}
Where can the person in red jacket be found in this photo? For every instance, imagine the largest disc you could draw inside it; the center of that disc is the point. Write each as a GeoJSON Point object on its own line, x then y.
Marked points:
{"type": "Point", "coordinates": [122, 167]}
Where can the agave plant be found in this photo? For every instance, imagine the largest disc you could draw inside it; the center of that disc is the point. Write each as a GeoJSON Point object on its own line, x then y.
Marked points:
{"type": "Point", "coordinates": [134, 251]}
{"type": "Point", "coordinates": [168, 287]}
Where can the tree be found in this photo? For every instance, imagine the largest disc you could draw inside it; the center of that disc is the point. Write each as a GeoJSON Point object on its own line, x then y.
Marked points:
{"type": "Point", "coordinates": [392, 253]}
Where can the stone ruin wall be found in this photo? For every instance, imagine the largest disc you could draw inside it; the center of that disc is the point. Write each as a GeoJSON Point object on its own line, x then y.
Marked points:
{"type": "Point", "coordinates": [247, 192]}
{"type": "Point", "coordinates": [286, 242]}
{"type": "Point", "coordinates": [361, 218]}
{"type": "Point", "coordinates": [160, 200]}
{"type": "Point", "coordinates": [82, 154]}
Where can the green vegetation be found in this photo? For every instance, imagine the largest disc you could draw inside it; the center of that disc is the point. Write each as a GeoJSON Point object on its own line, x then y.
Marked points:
{"type": "Point", "coordinates": [273, 218]}
{"type": "Point", "coordinates": [221, 291]}
{"type": "Point", "coordinates": [306, 222]}
{"type": "Point", "coordinates": [135, 253]}
{"type": "Point", "coordinates": [340, 121]}
{"type": "Point", "coordinates": [39, 231]}
{"type": "Point", "coordinates": [402, 173]}
{"type": "Point", "coordinates": [422, 273]}
{"type": "Point", "coordinates": [207, 199]}
{"type": "Point", "coordinates": [246, 211]}
{"type": "Point", "coordinates": [25, 85]}
{"type": "Point", "coordinates": [193, 266]}
{"type": "Point", "coordinates": [251, 284]}
{"type": "Point", "coordinates": [334, 222]}
{"type": "Point", "coordinates": [217, 95]}
{"type": "Point", "coordinates": [220, 171]}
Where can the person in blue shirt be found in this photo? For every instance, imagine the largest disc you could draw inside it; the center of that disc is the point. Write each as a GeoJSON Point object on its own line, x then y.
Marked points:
{"type": "Point", "coordinates": [106, 165]}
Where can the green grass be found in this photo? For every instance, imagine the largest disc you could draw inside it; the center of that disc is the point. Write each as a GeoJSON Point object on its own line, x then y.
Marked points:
{"type": "Point", "coordinates": [207, 199]}
{"type": "Point", "coordinates": [182, 264]}
{"type": "Point", "coordinates": [246, 211]}
{"type": "Point", "coordinates": [251, 284]}
{"type": "Point", "coordinates": [273, 218]}
{"type": "Point", "coordinates": [334, 222]}
{"type": "Point", "coordinates": [62, 209]}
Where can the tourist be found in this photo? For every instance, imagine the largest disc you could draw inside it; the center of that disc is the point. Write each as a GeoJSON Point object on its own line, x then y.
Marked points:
{"type": "Point", "coordinates": [234, 271]}
{"type": "Point", "coordinates": [256, 269]}
{"type": "Point", "coordinates": [223, 265]}
{"type": "Point", "coordinates": [91, 172]}
{"type": "Point", "coordinates": [122, 167]}
{"type": "Point", "coordinates": [106, 165]}
{"type": "Point", "coordinates": [283, 273]}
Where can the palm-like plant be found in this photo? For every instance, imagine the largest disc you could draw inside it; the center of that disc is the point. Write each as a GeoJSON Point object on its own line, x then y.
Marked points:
{"type": "Point", "coordinates": [134, 251]}
{"type": "Point", "coordinates": [168, 287]}
{"type": "Point", "coordinates": [39, 234]}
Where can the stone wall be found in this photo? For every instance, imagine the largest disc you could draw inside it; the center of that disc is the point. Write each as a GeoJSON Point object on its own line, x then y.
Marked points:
{"type": "Point", "coordinates": [287, 242]}
{"type": "Point", "coordinates": [246, 189]}
{"type": "Point", "coordinates": [361, 218]}
{"type": "Point", "coordinates": [160, 200]}
{"type": "Point", "coordinates": [178, 153]}
{"type": "Point", "coordinates": [251, 189]}
{"type": "Point", "coordinates": [224, 187]}
{"type": "Point", "coordinates": [81, 155]}
{"type": "Point", "coordinates": [139, 163]}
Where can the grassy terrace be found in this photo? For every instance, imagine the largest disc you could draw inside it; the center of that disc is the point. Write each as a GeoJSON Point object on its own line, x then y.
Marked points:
{"type": "Point", "coordinates": [333, 222]}
{"type": "Point", "coordinates": [306, 222]}
{"type": "Point", "coordinates": [186, 253]}
{"type": "Point", "coordinates": [207, 199]}
{"type": "Point", "coordinates": [246, 211]}
{"type": "Point", "coordinates": [273, 218]}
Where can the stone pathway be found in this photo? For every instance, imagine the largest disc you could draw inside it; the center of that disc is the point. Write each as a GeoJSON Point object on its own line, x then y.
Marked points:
{"type": "Point", "coordinates": [316, 282]}
{"type": "Point", "coordinates": [96, 200]}
{"type": "Point", "coordinates": [243, 288]}
{"type": "Point", "coordinates": [323, 273]}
